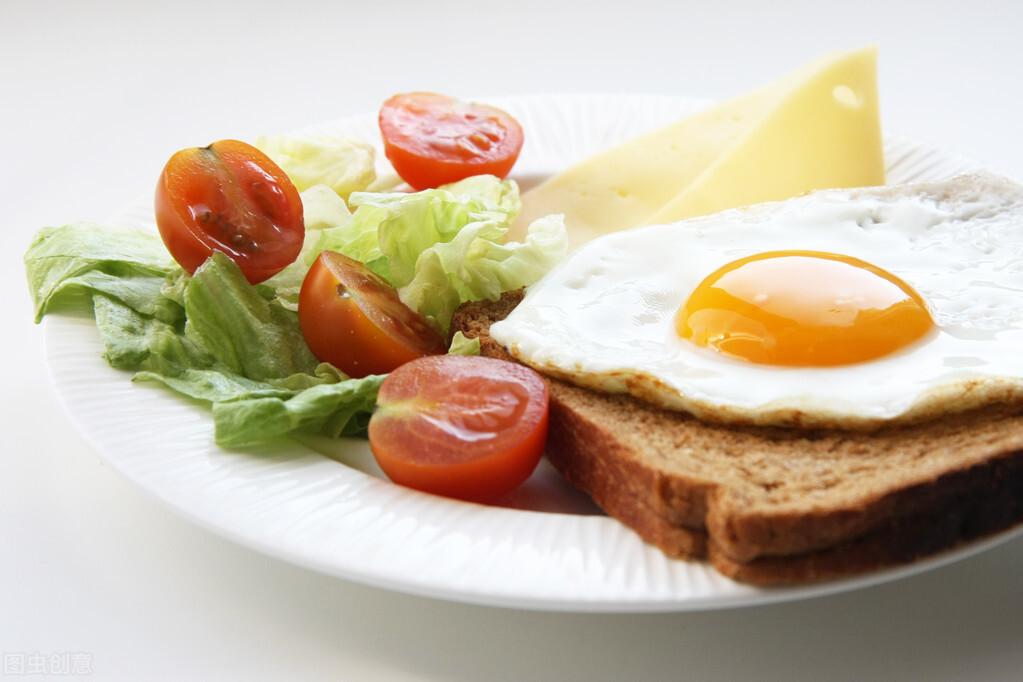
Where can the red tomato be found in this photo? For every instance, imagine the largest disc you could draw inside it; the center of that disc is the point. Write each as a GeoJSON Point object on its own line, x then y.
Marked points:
{"type": "Point", "coordinates": [229, 197]}
{"type": "Point", "coordinates": [352, 318]}
{"type": "Point", "coordinates": [432, 139]}
{"type": "Point", "coordinates": [461, 426]}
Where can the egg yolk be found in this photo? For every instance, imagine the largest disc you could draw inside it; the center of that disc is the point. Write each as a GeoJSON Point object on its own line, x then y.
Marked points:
{"type": "Point", "coordinates": [803, 309]}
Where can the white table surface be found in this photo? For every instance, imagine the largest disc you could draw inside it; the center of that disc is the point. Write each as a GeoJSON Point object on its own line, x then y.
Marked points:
{"type": "Point", "coordinates": [97, 95]}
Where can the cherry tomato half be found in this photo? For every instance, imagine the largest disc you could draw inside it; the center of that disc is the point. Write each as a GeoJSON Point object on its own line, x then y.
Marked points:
{"type": "Point", "coordinates": [467, 427]}
{"type": "Point", "coordinates": [352, 318]}
{"type": "Point", "coordinates": [433, 139]}
{"type": "Point", "coordinates": [229, 197]}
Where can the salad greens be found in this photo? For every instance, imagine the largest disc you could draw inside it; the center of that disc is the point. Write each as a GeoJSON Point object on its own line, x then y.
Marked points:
{"type": "Point", "coordinates": [343, 165]}
{"type": "Point", "coordinates": [215, 337]}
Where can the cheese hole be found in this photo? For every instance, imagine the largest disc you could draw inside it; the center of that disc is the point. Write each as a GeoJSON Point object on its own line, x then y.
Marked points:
{"type": "Point", "coordinates": [847, 97]}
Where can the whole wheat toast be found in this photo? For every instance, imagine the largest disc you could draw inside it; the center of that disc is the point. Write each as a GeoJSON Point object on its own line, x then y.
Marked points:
{"type": "Point", "coordinates": [773, 505]}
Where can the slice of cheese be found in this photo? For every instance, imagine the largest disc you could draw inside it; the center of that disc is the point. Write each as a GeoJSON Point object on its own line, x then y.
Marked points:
{"type": "Point", "coordinates": [817, 127]}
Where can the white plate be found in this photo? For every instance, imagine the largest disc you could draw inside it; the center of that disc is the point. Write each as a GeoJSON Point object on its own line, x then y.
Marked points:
{"type": "Point", "coordinates": [324, 504]}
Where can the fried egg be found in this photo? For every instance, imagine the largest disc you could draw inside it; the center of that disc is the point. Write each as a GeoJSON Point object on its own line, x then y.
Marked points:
{"type": "Point", "coordinates": [836, 308]}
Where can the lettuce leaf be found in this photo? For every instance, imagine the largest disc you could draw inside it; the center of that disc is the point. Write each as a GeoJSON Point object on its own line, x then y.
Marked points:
{"type": "Point", "coordinates": [214, 337]}
{"type": "Point", "coordinates": [211, 336]}
{"type": "Point", "coordinates": [64, 265]}
{"type": "Point", "coordinates": [475, 265]}
{"type": "Point", "coordinates": [325, 212]}
{"type": "Point", "coordinates": [342, 164]}
{"type": "Point", "coordinates": [442, 247]}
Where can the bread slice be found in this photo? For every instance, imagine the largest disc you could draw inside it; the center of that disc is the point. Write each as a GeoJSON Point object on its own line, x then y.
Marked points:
{"type": "Point", "coordinates": [774, 505]}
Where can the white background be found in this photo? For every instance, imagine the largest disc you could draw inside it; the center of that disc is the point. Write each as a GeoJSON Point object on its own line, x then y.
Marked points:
{"type": "Point", "coordinates": [95, 96]}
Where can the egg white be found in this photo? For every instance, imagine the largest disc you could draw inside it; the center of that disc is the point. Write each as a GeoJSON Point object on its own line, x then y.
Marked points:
{"type": "Point", "coordinates": [604, 317]}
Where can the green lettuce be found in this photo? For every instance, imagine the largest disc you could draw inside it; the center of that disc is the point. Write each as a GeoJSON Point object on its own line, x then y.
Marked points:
{"type": "Point", "coordinates": [211, 336]}
{"type": "Point", "coordinates": [343, 165]}
{"type": "Point", "coordinates": [215, 337]}
{"type": "Point", "coordinates": [325, 213]}
{"type": "Point", "coordinates": [65, 264]}
{"type": "Point", "coordinates": [442, 247]}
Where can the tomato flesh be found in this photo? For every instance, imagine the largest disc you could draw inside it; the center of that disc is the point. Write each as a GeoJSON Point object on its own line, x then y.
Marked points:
{"type": "Point", "coordinates": [432, 139]}
{"type": "Point", "coordinates": [229, 197]}
{"type": "Point", "coordinates": [352, 318]}
{"type": "Point", "coordinates": [466, 427]}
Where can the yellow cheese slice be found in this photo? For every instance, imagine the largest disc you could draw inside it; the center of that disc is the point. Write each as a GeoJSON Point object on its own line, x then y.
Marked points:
{"type": "Point", "coordinates": [817, 127]}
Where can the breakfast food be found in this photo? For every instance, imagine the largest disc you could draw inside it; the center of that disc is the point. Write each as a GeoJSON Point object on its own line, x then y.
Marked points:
{"type": "Point", "coordinates": [768, 503]}
{"type": "Point", "coordinates": [781, 504]}
{"type": "Point", "coordinates": [433, 140]}
{"type": "Point", "coordinates": [352, 318]}
{"type": "Point", "coordinates": [462, 426]}
{"type": "Point", "coordinates": [231, 198]}
{"type": "Point", "coordinates": [817, 127]}
{"type": "Point", "coordinates": [607, 317]}
{"type": "Point", "coordinates": [776, 505]}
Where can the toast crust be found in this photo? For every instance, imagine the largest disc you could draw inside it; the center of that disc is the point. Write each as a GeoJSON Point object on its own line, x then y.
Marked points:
{"type": "Point", "coordinates": [773, 505]}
